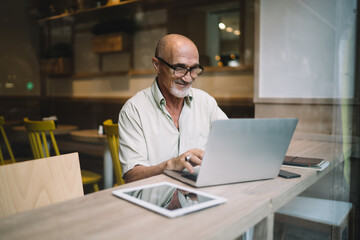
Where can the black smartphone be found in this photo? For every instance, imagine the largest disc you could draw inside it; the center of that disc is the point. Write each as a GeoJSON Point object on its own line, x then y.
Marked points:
{"type": "Point", "coordinates": [286, 174]}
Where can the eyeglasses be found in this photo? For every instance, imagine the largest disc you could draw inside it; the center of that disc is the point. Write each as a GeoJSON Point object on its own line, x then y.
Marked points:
{"type": "Point", "coordinates": [182, 71]}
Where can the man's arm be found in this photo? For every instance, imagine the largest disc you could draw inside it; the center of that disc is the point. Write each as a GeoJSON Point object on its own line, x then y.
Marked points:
{"type": "Point", "coordinates": [139, 172]}
{"type": "Point", "coordinates": [178, 164]}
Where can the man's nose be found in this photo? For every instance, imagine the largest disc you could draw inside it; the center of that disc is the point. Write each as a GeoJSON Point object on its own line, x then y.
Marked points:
{"type": "Point", "coordinates": [187, 77]}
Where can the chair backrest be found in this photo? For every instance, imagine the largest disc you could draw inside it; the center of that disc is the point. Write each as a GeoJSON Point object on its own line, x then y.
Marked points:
{"type": "Point", "coordinates": [37, 131]}
{"type": "Point", "coordinates": [4, 137]}
{"type": "Point", "coordinates": [36, 183]}
{"type": "Point", "coordinates": [112, 134]}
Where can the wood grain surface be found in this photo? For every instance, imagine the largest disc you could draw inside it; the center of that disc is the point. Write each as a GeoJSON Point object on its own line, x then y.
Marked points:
{"type": "Point", "coordinates": [101, 215]}
{"type": "Point", "coordinates": [36, 183]}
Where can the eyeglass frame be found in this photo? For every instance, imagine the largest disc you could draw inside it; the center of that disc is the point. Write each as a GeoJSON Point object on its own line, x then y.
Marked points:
{"type": "Point", "coordinates": [187, 69]}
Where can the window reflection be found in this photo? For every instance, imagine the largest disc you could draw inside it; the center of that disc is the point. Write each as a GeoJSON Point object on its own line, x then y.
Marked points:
{"type": "Point", "coordinates": [168, 197]}
{"type": "Point", "coordinates": [227, 45]}
{"type": "Point", "coordinates": [222, 31]}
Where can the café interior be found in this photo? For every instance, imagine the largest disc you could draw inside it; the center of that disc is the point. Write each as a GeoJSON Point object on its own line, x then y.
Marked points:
{"type": "Point", "coordinates": [78, 61]}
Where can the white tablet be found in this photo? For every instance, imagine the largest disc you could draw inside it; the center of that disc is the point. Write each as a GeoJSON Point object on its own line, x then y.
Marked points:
{"type": "Point", "coordinates": [169, 199]}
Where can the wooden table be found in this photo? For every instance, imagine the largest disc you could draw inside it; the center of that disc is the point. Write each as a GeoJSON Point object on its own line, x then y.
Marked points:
{"type": "Point", "coordinates": [12, 123]}
{"type": "Point", "coordinates": [102, 216]}
{"type": "Point", "coordinates": [92, 136]}
{"type": "Point", "coordinates": [61, 129]}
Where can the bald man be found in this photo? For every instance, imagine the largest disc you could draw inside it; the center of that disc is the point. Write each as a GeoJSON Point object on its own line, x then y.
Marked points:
{"type": "Point", "coordinates": [166, 125]}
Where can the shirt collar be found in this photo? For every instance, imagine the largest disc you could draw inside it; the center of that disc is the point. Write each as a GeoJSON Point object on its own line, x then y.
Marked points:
{"type": "Point", "coordinates": [159, 98]}
{"type": "Point", "coordinates": [189, 98]}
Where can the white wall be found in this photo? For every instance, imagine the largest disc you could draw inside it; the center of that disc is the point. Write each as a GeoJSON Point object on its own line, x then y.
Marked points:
{"type": "Point", "coordinates": [306, 48]}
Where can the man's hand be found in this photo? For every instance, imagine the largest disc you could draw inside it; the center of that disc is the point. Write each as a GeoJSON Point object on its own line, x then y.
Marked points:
{"type": "Point", "coordinates": [186, 160]}
{"type": "Point", "coordinates": [179, 163]}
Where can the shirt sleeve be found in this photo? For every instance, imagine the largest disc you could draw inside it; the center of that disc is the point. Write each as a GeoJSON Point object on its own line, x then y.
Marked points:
{"type": "Point", "coordinates": [216, 112]}
{"type": "Point", "coordinates": [132, 149]}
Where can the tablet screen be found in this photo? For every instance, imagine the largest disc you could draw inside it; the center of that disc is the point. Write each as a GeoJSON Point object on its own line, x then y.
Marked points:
{"type": "Point", "coordinates": [169, 199]}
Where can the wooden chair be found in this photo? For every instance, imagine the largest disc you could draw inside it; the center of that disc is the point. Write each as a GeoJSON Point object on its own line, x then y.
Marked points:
{"type": "Point", "coordinates": [5, 139]}
{"type": "Point", "coordinates": [36, 183]}
{"type": "Point", "coordinates": [112, 134]}
{"type": "Point", "coordinates": [37, 131]}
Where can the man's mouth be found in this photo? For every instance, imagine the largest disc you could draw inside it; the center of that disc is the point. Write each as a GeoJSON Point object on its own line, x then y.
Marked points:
{"type": "Point", "coordinates": [181, 82]}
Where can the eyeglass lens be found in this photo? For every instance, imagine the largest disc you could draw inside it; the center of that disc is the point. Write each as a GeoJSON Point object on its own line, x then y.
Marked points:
{"type": "Point", "coordinates": [181, 72]}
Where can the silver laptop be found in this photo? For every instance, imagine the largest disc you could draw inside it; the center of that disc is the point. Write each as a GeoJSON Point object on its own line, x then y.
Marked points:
{"type": "Point", "coordinates": [241, 150]}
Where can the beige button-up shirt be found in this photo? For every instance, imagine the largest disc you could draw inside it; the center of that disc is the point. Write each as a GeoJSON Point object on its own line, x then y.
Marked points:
{"type": "Point", "coordinates": [147, 133]}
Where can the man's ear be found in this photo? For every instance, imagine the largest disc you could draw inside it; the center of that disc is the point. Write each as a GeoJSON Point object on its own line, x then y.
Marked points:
{"type": "Point", "coordinates": [155, 64]}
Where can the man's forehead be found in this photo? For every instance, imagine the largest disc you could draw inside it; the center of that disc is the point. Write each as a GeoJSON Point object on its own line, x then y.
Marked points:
{"type": "Point", "coordinates": [185, 59]}
{"type": "Point", "coordinates": [184, 54]}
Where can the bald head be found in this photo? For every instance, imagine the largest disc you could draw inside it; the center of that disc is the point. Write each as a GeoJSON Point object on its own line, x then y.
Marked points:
{"type": "Point", "coordinates": [172, 43]}
{"type": "Point", "coordinates": [173, 54]}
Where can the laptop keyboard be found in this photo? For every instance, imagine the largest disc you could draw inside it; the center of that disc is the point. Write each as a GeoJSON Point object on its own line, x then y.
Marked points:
{"type": "Point", "coordinates": [190, 176]}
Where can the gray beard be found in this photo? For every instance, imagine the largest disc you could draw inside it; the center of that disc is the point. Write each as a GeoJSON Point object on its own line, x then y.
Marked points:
{"type": "Point", "coordinates": [179, 93]}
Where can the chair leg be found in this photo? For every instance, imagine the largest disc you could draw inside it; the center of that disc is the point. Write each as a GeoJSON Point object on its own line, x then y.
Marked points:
{"type": "Point", "coordinates": [1, 158]}
{"type": "Point", "coordinates": [282, 231]}
{"type": "Point", "coordinates": [96, 187]}
{"type": "Point", "coordinates": [340, 232]}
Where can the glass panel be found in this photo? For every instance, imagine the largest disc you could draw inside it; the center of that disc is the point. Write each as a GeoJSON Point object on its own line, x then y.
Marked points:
{"type": "Point", "coordinates": [225, 38]}
{"type": "Point", "coordinates": [220, 31]}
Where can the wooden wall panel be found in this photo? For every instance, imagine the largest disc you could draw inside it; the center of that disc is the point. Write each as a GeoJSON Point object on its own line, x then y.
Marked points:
{"type": "Point", "coordinates": [90, 112]}
{"type": "Point", "coordinates": [333, 119]}
{"type": "Point", "coordinates": [312, 118]}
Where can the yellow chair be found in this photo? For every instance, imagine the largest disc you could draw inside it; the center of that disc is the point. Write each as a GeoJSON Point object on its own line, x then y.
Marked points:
{"type": "Point", "coordinates": [12, 158]}
{"type": "Point", "coordinates": [37, 131]}
{"type": "Point", "coordinates": [112, 134]}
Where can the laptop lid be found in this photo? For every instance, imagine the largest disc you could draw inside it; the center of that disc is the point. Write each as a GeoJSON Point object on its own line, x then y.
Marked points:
{"type": "Point", "coordinates": [240, 150]}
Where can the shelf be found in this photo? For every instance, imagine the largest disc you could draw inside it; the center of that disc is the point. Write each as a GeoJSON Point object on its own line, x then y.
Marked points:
{"type": "Point", "coordinates": [223, 101]}
{"type": "Point", "coordinates": [133, 72]}
{"type": "Point", "coordinates": [88, 11]}
{"type": "Point", "coordinates": [244, 68]}
{"type": "Point", "coordinates": [102, 74]}
{"type": "Point", "coordinates": [98, 74]}
{"type": "Point", "coordinates": [128, 4]}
